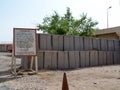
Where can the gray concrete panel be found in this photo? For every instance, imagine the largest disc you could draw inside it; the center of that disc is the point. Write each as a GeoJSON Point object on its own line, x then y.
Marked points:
{"type": "Point", "coordinates": [71, 43]}
{"type": "Point", "coordinates": [87, 59]}
{"type": "Point", "coordinates": [117, 45]}
{"type": "Point", "coordinates": [96, 44]}
{"type": "Point", "coordinates": [81, 43]}
{"type": "Point", "coordinates": [47, 60]}
{"type": "Point", "coordinates": [77, 43]}
{"type": "Point", "coordinates": [116, 57]}
{"type": "Point", "coordinates": [72, 59]}
{"type": "Point", "coordinates": [90, 43]}
{"type": "Point", "coordinates": [104, 58]}
{"type": "Point", "coordinates": [101, 58]}
{"type": "Point", "coordinates": [111, 45]}
{"type": "Point", "coordinates": [103, 44]}
{"type": "Point", "coordinates": [109, 58]}
{"type": "Point", "coordinates": [60, 60]}
{"type": "Point", "coordinates": [66, 43]}
{"type": "Point", "coordinates": [77, 59]}
{"type": "Point", "coordinates": [43, 42]}
{"type": "Point", "coordinates": [54, 60]}
{"type": "Point", "coordinates": [40, 60]}
{"type": "Point", "coordinates": [92, 59]}
{"type": "Point", "coordinates": [96, 58]}
{"type": "Point", "coordinates": [48, 42]}
{"type": "Point", "coordinates": [60, 42]}
{"type": "Point", "coordinates": [86, 43]}
{"type": "Point", "coordinates": [66, 60]}
{"type": "Point", "coordinates": [55, 40]}
{"type": "Point", "coordinates": [82, 59]}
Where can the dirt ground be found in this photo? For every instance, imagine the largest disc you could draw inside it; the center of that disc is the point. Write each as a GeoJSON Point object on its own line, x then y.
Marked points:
{"type": "Point", "coordinates": [92, 78]}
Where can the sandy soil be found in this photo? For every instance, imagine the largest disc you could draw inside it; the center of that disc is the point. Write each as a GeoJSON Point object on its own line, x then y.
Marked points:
{"type": "Point", "coordinates": [93, 78]}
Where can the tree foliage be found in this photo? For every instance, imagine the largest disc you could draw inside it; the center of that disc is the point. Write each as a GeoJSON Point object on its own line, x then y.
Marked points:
{"type": "Point", "coordinates": [68, 25]}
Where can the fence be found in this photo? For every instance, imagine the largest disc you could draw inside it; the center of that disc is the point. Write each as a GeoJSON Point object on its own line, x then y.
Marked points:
{"type": "Point", "coordinates": [70, 52]}
{"type": "Point", "coordinates": [75, 43]}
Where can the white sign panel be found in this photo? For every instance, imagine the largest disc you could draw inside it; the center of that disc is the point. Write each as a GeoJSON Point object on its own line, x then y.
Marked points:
{"type": "Point", "coordinates": [24, 42]}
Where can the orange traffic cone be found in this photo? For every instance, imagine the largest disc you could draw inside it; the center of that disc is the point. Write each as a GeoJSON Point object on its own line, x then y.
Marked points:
{"type": "Point", "coordinates": [65, 83]}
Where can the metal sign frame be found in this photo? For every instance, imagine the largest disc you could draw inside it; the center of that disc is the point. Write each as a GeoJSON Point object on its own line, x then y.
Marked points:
{"type": "Point", "coordinates": [34, 38]}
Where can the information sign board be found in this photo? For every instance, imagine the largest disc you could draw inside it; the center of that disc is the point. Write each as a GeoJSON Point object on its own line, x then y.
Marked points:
{"type": "Point", "coordinates": [24, 42]}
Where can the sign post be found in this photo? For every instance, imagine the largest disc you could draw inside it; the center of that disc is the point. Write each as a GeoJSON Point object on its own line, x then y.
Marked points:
{"type": "Point", "coordinates": [24, 43]}
{"type": "Point", "coordinates": [36, 63]}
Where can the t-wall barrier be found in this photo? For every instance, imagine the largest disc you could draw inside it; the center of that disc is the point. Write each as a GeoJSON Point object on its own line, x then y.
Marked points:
{"type": "Point", "coordinates": [70, 52]}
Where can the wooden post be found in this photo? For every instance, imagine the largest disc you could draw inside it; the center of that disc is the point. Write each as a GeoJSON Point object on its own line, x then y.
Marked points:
{"type": "Point", "coordinates": [36, 64]}
{"type": "Point", "coordinates": [31, 63]}
{"type": "Point", "coordinates": [14, 59]}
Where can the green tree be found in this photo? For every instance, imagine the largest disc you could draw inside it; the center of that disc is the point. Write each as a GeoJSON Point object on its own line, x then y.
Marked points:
{"type": "Point", "coordinates": [68, 25]}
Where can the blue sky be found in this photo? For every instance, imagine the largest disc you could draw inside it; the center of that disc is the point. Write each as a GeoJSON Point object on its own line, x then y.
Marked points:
{"type": "Point", "coordinates": [28, 13]}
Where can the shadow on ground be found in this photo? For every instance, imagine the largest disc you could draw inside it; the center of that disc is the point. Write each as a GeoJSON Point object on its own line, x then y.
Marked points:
{"type": "Point", "coordinates": [5, 76]}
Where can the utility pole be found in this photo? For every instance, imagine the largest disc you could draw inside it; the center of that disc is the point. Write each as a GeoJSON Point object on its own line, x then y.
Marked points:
{"type": "Point", "coordinates": [108, 16]}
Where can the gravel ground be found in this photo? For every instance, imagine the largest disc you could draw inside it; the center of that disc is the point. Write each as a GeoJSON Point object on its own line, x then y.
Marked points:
{"type": "Point", "coordinates": [94, 78]}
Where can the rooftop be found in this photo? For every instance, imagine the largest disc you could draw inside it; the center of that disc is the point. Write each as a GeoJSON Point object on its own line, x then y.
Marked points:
{"type": "Point", "coordinates": [109, 30]}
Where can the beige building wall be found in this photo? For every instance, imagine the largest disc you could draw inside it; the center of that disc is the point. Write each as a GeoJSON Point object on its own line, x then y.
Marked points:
{"type": "Point", "coordinates": [109, 35]}
{"type": "Point", "coordinates": [112, 33]}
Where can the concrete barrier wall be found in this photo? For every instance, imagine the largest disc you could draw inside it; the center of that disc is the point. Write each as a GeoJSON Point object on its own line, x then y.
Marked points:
{"type": "Point", "coordinates": [73, 59]}
{"type": "Point", "coordinates": [76, 43]}
{"type": "Point", "coordinates": [70, 52]}
{"type": "Point", "coordinates": [3, 48]}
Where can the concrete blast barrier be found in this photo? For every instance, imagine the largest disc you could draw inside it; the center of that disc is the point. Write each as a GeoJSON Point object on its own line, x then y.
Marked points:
{"type": "Point", "coordinates": [47, 60]}
{"type": "Point", "coordinates": [41, 60]}
{"type": "Point", "coordinates": [71, 43]}
{"type": "Point", "coordinates": [117, 45]}
{"type": "Point", "coordinates": [116, 57]}
{"type": "Point", "coordinates": [84, 58]}
{"type": "Point", "coordinates": [60, 43]}
{"type": "Point", "coordinates": [63, 62]}
{"type": "Point", "coordinates": [93, 58]}
{"type": "Point", "coordinates": [111, 46]}
{"type": "Point", "coordinates": [48, 42]}
{"type": "Point", "coordinates": [68, 43]}
{"type": "Point", "coordinates": [102, 58]}
{"type": "Point", "coordinates": [66, 60]}
{"type": "Point", "coordinates": [42, 43]}
{"type": "Point", "coordinates": [78, 43]}
{"type": "Point", "coordinates": [88, 43]}
{"type": "Point", "coordinates": [65, 52]}
{"type": "Point", "coordinates": [72, 59]}
{"type": "Point", "coordinates": [103, 44]}
{"type": "Point", "coordinates": [54, 60]}
{"type": "Point", "coordinates": [57, 42]}
{"type": "Point", "coordinates": [77, 59]}
{"type": "Point", "coordinates": [96, 44]}
{"type": "Point", "coordinates": [60, 60]}
{"type": "Point", "coordinates": [110, 58]}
